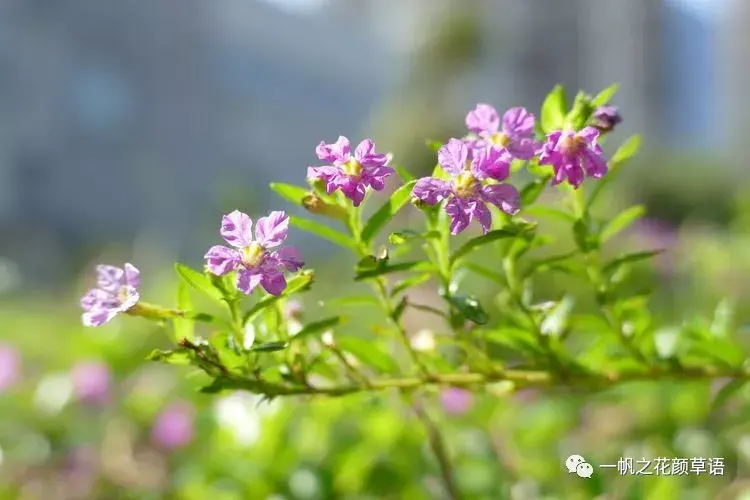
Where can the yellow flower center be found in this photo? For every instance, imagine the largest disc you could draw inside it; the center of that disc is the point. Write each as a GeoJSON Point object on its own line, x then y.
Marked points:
{"type": "Point", "coordinates": [352, 167]}
{"type": "Point", "coordinates": [465, 185]}
{"type": "Point", "coordinates": [252, 254]}
{"type": "Point", "coordinates": [122, 294]}
{"type": "Point", "coordinates": [500, 139]}
{"type": "Point", "coordinates": [572, 145]}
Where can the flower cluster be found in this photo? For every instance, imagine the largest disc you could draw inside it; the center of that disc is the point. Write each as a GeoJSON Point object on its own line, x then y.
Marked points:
{"type": "Point", "coordinates": [476, 169]}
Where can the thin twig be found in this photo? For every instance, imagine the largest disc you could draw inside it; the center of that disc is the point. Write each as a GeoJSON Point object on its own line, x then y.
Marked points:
{"type": "Point", "coordinates": [437, 443]}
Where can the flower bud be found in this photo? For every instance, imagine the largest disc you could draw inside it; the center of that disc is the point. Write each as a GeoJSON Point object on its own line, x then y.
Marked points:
{"type": "Point", "coordinates": [316, 205]}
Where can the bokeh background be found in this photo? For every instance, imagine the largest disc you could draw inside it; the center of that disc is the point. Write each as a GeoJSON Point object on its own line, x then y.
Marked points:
{"type": "Point", "coordinates": [128, 128]}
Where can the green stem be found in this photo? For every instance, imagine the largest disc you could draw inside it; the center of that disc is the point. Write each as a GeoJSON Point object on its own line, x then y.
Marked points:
{"type": "Point", "coordinates": [437, 443]}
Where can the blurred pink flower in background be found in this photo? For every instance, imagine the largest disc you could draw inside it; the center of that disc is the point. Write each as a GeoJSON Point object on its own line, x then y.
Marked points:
{"type": "Point", "coordinates": [175, 426]}
{"type": "Point", "coordinates": [10, 366]}
{"type": "Point", "coordinates": [656, 234]}
{"type": "Point", "coordinates": [456, 401]}
{"type": "Point", "coordinates": [91, 382]}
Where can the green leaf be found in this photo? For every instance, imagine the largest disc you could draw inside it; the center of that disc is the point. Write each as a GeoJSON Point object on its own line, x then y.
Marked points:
{"type": "Point", "coordinates": [513, 338]}
{"type": "Point", "coordinates": [385, 213]}
{"type": "Point", "coordinates": [325, 232]}
{"type": "Point", "coordinates": [615, 264]}
{"type": "Point", "coordinates": [553, 110]}
{"type": "Point", "coordinates": [199, 282]}
{"type": "Point", "coordinates": [403, 173]}
{"type": "Point", "coordinates": [603, 97]}
{"type": "Point", "coordinates": [170, 357]}
{"type": "Point", "coordinates": [293, 194]}
{"type": "Point", "coordinates": [583, 237]}
{"type": "Point", "coordinates": [622, 221]}
{"type": "Point", "coordinates": [434, 145]}
{"type": "Point", "coordinates": [300, 282]}
{"type": "Point", "coordinates": [469, 307]}
{"type": "Point", "coordinates": [399, 309]}
{"type": "Point", "coordinates": [184, 327]}
{"type": "Point", "coordinates": [550, 213]}
{"type": "Point", "coordinates": [557, 320]}
{"type": "Point", "coordinates": [531, 191]}
{"type": "Point", "coordinates": [401, 237]}
{"type": "Point", "coordinates": [369, 353]}
{"type": "Point", "coordinates": [626, 151]}
{"type": "Point", "coordinates": [270, 346]}
{"type": "Point", "coordinates": [318, 326]}
{"type": "Point", "coordinates": [418, 265]}
{"type": "Point", "coordinates": [726, 392]}
{"type": "Point", "coordinates": [546, 263]}
{"type": "Point", "coordinates": [580, 111]}
{"type": "Point", "coordinates": [479, 241]}
{"type": "Point", "coordinates": [486, 273]}
{"type": "Point", "coordinates": [409, 282]}
{"type": "Point", "coordinates": [203, 318]}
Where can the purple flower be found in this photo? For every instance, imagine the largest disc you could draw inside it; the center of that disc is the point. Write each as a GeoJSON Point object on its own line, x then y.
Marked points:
{"type": "Point", "coordinates": [574, 155]}
{"type": "Point", "coordinates": [116, 292]}
{"type": "Point", "coordinates": [456, 401]}
{"type": "Point", "coordinates": [466, 193]}
{"type": "Point", "coordinates": [606, 118]}
{"type": "Point", "coordinates": [251, 257]}
{"type": "Point", "coordinates": [10, 366]}
{"type": "Point", "coordinates": [352, 174]}
{"type": "Point", "coordinates": [174, 427]}
{"type": "Point", "coordinates": [516, 133]}
{"type": "Point", "coordinates": [91, 381]}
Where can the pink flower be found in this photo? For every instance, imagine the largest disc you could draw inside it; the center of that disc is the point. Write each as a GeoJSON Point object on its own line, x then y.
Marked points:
{"type": "Point", "coordinates": [91, 382]}
{"type": "Point", "coordinates": [574, 156]}
{"type": "Point", "coordinates": [174, 427]}
{"type": "Point", "coordinates": [351, 173]}
{"type": "Point", "coordinates": [10, 366]}
{"type": "Point", "coordinates": [456, 401]}
{"type": "Point", "coordinates": [515, 134]}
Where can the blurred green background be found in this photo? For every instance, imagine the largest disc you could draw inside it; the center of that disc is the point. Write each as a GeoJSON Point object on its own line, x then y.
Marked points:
{"type": "Point", "coordinates": [128, 128]}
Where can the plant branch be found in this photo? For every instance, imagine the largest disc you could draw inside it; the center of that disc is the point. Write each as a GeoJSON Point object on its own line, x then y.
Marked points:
{"type": "Point", "coordinates": [437, 443]}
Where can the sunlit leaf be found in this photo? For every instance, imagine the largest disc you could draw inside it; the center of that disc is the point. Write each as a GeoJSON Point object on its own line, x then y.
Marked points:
{"type": "Point", "coordinates": [325, 232]}
{"type": "Point", "coordinates": [184, 327]}
{"type": "Point", "coordinates": [387, 211]}
{"type": "Point", "coordinates": [199, 282]}
{"type": "Point", "coordinates": [318, 327]}
{"type": "Point", "coordinates": [469, 307]}
{"type": "Point", "coordinates": [614, 264]}
{"type": "Point", "coordinates": [622, 221]}
{"type": "Point", "coordinates": [479, 241]}
{"type": "Point", "coordinates": [553, 110]}
{"type": "Point", "coordinates": [418, 265]}
{"type": "Point", "coordinates": [369, 353]}
{"type": "Point", "coordinates": [293, 194]}
{"type": "Point", "coordinates": [409, 282]}
{"type": "Point", "coordinates": [270, 346]}
{"type": "Point", "coordinates": [603, 97]}
{"type": "Point", "coordinates": [403, 173]}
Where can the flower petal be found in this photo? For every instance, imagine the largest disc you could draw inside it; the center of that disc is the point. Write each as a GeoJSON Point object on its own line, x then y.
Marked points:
{"type": "Point", "coordinates": [236, 228]}
{"type": "Point", "coordinates": [452, 157]}
{"type": "Point", "coordinates": [338, 151]}
{"type": "Point", "coordinates": [493, 163]}
{"type": "Point", "coordinates": [93, 298]}
{"type": "Point", "coordinates": [273, 283]}
{"type": "Point", "coordinates": [221, 260]}
{"type": "Point", "coordinates": [595, 165]}
{"type": "Point", "coordinates": [460, 215]}
{"type": "Point", "coordinates": [131, 298]}
{"type": "Point", "coordinates": [524, 148]}
{"type": "Point", "coordinates": [132, 275]}
{"type": "Point", "coordinates": [365, 154]}
{"type": "Point", "coordinates": [109, 278]}
{"type": "Point", "coordinates": [483, 118]}
{"type": "Point", "coordinates": [431, 190]}
{"type": "Point", "coordinates": [518, 122]}
{"type": "Point", "coordinates": [375, 176]}
{"type": "Point", "coordinates": [481, 213]}
{"type": "Point", "coordinates": [590, 135]}
{"type": "Point", "coordinates": [503, 196]}
{"type": "Point", "coordinates": [289, 257]}
{"type": "Point", "coordinates": [97, 317]}
{"type": "Point", "coordinates": [353, 189]}
{"type": "Point", "coordinates": [247, 281]}
{"type": "Point", "coordinates": [271, 231]}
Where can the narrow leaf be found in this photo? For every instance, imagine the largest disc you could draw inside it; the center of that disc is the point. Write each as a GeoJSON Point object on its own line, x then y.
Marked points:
{"type": "Point", "coordinates": [550, 213]}
{"type": "Point", "coordinates": [418, 265]}
{"type": "Point", "coordinates": [403, 173]}
{"type": "Point", "coordinates": [385, 213]}
{"type": "Point", "coordinates": [401, 237]}
{"type": "Point", "coordinates": [170, 357]}
{"type": "Point", "coordinates": [603, 97]}
{"type": "Point", "coordinates": [409, 282]}
{"type": "Point", "coordinates": [325, 232]}
{"type": "Point", "coordinates": [622, 221]}
{"type": "Point", "coordinates": [368, 353]}
{"type": "Point", "coordinates": [351, 301]}
{"type": "Point", "coordinates": [553, 110]}
{"type": "Point", "coordinates": [434, 145]}
{"type": "Point", "coordinates": [479, 241]}
{"type": "Point", "coordinates": [270, 346]}
{"type": "Point", "coordinates": [615, 264]}
{"type": "Point", "coordinates": [318, 327]}
{"type": "Point", "coordinates": [470, 308]}
{"type": "Point", "coordinates": [627, 150]}
{"type": "Point", "coordinates": [531, 191]}
{"type": "Point", "coordinates": [199, 282]}
{"type": "Point", "coordinates": [293, 194]}
{"type": "Point", "coordinates": [184, 327]}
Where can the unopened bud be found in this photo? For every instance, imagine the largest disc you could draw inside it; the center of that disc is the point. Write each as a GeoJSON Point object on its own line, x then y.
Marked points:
{"type": "Point", "coordinates": [315, 204]}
